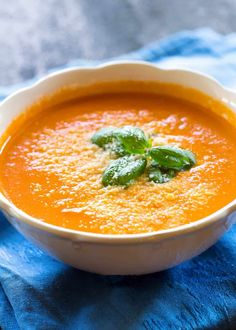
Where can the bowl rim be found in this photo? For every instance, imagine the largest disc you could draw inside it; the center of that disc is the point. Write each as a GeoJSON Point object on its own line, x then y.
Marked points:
{"type": "Point", "coordinates": [8, 207]}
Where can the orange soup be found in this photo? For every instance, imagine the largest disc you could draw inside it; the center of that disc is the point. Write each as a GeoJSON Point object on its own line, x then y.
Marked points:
{"type": "Point", "coordinates": [50, 169]}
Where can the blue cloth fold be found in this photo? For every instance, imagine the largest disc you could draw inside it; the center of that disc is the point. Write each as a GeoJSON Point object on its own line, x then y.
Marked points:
{"type": "Point", "coordinates": [38, 292]}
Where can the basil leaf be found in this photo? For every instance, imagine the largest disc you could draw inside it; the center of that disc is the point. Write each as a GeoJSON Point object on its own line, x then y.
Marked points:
{"type": "Point", "coordinates": [160, 175]}
{"type": "Point", "coordinates": [155, 175]}
{"type": "Point", "coordinates": [123, 171]}
{"type": "Point", "coordinates": [191, 157]}
{"type": "Point", "coordinates": [122, 141]}
{"type": "Point", "coordinates": [104, 136]}
{"type": "Point", "coordinates": [171, 157]}
{"type": "Point", "coordinates": [133, 139]}
{"type": "Point", "coordinates": [116, 148]}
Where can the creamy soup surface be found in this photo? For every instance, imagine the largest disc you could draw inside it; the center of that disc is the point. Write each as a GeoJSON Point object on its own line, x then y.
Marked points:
{"type": "Point", "coordinates": [50, 169]}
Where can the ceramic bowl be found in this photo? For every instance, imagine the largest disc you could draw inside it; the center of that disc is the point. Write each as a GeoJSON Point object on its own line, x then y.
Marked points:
{"type": "Point", "coordinates": [118, 254]}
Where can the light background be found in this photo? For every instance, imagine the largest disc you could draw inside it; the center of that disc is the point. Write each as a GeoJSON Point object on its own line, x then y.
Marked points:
{"type": "Point", "coordinates": [36, 35]}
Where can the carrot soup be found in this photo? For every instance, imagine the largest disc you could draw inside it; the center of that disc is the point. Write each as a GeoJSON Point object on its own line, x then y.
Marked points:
{"type": "Point", "coordinates": [121, 160]}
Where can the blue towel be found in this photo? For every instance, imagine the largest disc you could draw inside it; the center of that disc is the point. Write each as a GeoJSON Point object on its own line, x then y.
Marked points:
{"type": "Point", "coordinates": [38, 292]}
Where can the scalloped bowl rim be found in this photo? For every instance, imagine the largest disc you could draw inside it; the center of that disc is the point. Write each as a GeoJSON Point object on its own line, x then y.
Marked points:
{"type": "Point", "coordinates": [10, 208]}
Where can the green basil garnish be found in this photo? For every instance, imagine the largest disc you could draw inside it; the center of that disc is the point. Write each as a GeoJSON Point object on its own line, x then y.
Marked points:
{"type": "Point", "coordinates": [160, 175]}
{"type": "Point", "coordinates": [172, 157]}
{"type": "Point", "coordinates": [133, 139]}
{"type": "Point", "coordinates": [123, 171]}
{"type": "Point", "coordinates": [124, 140]}
{"type": "Point", "coordinates": [136, 151]}
{"type": "Point", "coordinates": [103, 137]}
{"type": "Point", "coordinates": [116, 149]}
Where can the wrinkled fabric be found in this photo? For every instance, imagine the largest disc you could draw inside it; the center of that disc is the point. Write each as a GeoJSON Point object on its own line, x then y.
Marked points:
{"type": "Point", "coordinates": [38, 292]}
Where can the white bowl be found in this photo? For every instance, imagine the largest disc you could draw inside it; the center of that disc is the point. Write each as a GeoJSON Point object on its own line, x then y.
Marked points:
{"type": "Point", "coordinates": [118, 254]}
